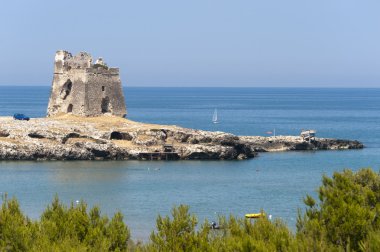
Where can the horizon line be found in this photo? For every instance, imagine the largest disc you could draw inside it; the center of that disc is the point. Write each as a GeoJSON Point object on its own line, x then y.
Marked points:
{"type": "Point", "coordinates": [133, 86]}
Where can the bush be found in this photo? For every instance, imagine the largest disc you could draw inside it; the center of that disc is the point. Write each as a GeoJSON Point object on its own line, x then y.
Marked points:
{"type": "Point", "coordinates": [176, 234]}
{"type": "Point", "coordinates": [61, 228]}
{"type": "Point", "coordinates": [347, 212]}
{"type": "Point", "coordinates": [16, 230]}
{"type": "Point", "coordinates": [179, 233]}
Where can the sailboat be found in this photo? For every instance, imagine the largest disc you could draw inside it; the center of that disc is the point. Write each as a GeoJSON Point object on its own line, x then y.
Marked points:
{"type": "Point", "coordinates": [215, 116]}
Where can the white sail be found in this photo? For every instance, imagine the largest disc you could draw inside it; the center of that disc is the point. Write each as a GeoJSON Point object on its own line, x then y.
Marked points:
{"type": "Point", "coordinates": [215, 116]}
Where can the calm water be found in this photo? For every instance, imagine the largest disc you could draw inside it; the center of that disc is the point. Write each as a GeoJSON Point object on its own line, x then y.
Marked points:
{"type": "Point", "coordinates": [275, 182]}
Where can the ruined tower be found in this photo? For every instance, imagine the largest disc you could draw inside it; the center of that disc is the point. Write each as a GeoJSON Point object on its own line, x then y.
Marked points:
{"type": "Point", "coordinates": [83, 88]}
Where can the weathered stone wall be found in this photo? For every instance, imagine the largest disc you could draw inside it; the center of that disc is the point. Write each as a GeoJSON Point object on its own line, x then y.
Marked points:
{"type": "Point", "coordinates": [82, 88]}
{"type": "Point", "coordinates": [106, 95]}
{"type": "Point", "coordinates": [68, 93]}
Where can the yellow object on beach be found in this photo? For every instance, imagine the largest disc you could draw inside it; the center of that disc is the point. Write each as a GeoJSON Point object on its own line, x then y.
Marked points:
{"type": "Point", "coordinates": [255, 215]}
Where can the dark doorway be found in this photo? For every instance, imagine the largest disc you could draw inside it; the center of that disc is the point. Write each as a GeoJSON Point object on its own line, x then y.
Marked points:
{"type": "Point", "coordinates": [70, 108]}
{"type": "Point", "coordinates": [106, 105]}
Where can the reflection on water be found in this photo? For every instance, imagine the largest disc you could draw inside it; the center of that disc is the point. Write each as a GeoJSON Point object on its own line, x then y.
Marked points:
{"type": "Point", "coordinates": [88, 172]}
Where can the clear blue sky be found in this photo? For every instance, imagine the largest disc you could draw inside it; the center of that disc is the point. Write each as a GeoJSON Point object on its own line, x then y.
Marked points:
{"type": "Point", "coordinates": [320, 43]}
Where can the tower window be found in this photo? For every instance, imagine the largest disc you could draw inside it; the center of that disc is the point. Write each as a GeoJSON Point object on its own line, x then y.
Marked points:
{"type": "Point", "coordinates": [103, 88]}
{"type": "Point", "coordinates": [66, 89]}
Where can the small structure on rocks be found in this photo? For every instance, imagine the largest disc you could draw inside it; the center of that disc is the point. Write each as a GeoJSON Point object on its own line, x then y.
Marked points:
{"type": "Point", "coordinates": [168, 148]}
{"type": "Point", "coordinates": [85, 89]}
{"type": "Point", "coordinates": [308, 135]}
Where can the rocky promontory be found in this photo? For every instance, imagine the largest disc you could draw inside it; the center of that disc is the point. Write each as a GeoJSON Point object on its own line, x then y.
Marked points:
{"type": "Point", "coordinates": [69, 137]}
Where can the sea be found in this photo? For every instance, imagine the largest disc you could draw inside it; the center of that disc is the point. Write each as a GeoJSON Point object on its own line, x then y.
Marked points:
{"type": "Point", "coordinates": [141, 190]}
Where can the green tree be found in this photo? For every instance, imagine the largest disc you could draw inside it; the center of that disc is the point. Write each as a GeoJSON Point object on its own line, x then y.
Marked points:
{"type": "Point", "coordinates": [348, 209]}
{"type": "Point", "coordinates": [372, 243]}
{"type": "Point", "coordinates": [16, 230]}
{"type": "Point", "coordinates": [74, 228]}
{"type": "Point", "coordinates": [176, 233]}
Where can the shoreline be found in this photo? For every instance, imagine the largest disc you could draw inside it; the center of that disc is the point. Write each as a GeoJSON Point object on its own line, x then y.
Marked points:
{"type": "Point", "coordinates": [69, 137]}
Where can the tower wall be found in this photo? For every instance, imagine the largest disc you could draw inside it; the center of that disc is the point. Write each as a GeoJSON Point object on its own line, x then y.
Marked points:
{"type": "Point", "coordinates": [82, 88]}
{"type": "Point", "coordinates": [105, 94]}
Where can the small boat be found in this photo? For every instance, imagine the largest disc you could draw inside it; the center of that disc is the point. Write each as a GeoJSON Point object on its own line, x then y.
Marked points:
{"type": "Point", "coordinates": [215, 116]}
{"type": "Point", "coordinates": [255, 215]}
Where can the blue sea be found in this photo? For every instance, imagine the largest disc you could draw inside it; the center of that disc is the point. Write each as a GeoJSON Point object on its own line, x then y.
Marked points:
{"type": "Point", "coordinates": [274, 182]}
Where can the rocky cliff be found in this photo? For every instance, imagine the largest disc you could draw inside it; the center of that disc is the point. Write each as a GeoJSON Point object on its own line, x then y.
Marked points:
{"type": "Point", "coordinates": [69, 137]}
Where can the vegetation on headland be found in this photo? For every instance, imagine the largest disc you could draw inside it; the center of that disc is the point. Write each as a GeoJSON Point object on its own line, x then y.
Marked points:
{"type": "Point", "coordinates": [345, 217]}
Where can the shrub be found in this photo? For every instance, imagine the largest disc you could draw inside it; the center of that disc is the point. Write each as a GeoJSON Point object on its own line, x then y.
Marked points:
{"type": "Point", "coordinates": [347, 212]}
{"type": "Point", "coordinates": [61, 228]}
{"type": "Point", "coordinates": [16, 230]}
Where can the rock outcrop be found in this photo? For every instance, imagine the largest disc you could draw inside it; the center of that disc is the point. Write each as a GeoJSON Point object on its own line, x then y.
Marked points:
{"type": "Point", "coordinates": [70, 137]}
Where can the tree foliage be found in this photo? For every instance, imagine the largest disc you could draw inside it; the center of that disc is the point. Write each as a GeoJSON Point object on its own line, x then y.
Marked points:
{"type": "Point", "coordinates": [348, 209]}
{"type": "Point", "coordinates": [61, 228]}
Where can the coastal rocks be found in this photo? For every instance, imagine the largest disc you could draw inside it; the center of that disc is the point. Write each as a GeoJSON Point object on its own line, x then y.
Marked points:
{"type": "Point", "coordinates": [203, 152]}
{"type": "Point", "coordinates": [296, 143]}
{"type": "Point", "coordinates": [145, 140]}
{"type": "Point", "coordinates": [4, 133]}
{"type": "Point", "coordinates": [71, 137]}
{"type": "Point", "coordinates": [337, 144]}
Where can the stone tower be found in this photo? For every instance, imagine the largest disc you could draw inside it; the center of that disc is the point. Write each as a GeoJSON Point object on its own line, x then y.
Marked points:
{"type": "Point", "coordinates": [83, 88]}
